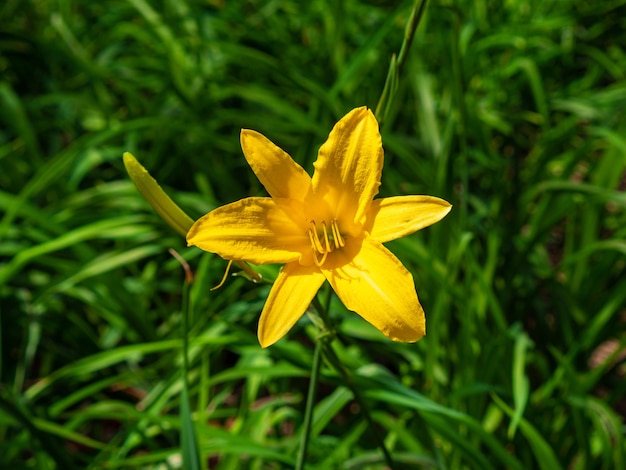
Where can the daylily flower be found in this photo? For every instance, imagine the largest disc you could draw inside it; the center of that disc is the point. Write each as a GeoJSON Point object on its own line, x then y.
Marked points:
{"type": "Point", "coordinates": [325, 228]}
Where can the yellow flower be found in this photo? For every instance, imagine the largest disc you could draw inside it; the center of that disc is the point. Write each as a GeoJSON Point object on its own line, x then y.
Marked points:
{"type": "Point", "coordinates": [328, 227]}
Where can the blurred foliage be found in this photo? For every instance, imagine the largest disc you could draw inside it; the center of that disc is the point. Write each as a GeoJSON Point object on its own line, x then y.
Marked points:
{"type": "Point", "coordinates": [512, 110]}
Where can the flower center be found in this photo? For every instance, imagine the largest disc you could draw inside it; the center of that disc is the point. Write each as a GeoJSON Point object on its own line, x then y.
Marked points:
{"type": "Point", "coordinates": [324, 239]}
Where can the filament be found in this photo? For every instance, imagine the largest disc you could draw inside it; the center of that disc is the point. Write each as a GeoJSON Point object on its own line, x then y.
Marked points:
{"type": "Point", "coordinates": [339, 242]}
{"type": "Point", "coordinates": [324, 241]}
{"type": "Point", "coordinates": [224, 278]}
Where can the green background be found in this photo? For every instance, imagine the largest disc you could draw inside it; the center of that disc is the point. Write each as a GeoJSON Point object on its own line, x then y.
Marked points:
{"type": "Point", "coordinates": [514, 111]}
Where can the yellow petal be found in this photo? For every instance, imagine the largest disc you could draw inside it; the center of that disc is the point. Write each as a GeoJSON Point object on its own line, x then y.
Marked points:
{"type": "Point", "coordinates": [349, 165]}
{"type": "Point", "coordinates": [396, 217]}
{"type": "Point", "coordinates": [254, 229]}
{"type": "Point", "coordinates": [276, 170]}
{"type": "Point", "coordinates": [289, 298]}
{"type": "Point", "coordinates": [372, 282]}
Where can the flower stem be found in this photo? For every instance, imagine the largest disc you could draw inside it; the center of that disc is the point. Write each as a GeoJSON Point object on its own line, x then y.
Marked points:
{"type": "Point", "coordinates": [416, 15]}
{"type": "Point", "coordinates": [308, 412]}
{"type": "Point", "coordinates": [397, 63]}
{"type": "Point", "coordinates": [346, 378]}
{"type": "Point", "coordinates": [333, 359]}
{"type": "Point", "coordinates": [189, 444]}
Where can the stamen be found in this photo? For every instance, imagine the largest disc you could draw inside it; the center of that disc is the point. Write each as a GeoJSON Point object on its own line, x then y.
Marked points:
{"type": "Point", "coordinates": [318, 262]}
{"type": "Point", "coordinates": [315, 239]}
{"type": "Point", "coordinates": [330, 241]}
{"type": "Point", "coordinates": [224, 278]}
{"type": "Point", "coordinates": [339, 242]}
{"type": "Point", "coordinates": [328, 247]}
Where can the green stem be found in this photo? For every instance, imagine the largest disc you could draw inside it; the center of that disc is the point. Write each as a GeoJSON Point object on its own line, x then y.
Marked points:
{"type": "Point", "coordinates": [416, 16]}
{"type": "Point", "coordinates": [459, 95]}
{"type": "Point", "coordinates": [397, 64]}
{"type": "Point", "coordinates": [322, 311]}
{"type": "Point", "coordinates": [185, 310]}
{"type": "Point", "coordinates": [308, 412]}
{"type": "Point", "coordinates": [189, 443]}
{"type": "Point", "coordinates": [332, 357]}
{"type": "Point", "coordinates": [346, 378]}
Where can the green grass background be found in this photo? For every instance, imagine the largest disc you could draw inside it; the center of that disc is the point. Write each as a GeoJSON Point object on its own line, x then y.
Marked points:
{"type": "Point", "coordinates": [512, 110]}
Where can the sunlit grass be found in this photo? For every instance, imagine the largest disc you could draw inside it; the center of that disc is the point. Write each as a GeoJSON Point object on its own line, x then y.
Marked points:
{"type": "Point", "coordinates": [513, 112]}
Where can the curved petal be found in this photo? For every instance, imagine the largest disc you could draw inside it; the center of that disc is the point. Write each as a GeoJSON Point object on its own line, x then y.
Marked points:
{"type": "Point", "coordinates": [254, 229]}
{"type": "Point", "coordinates": [372, 282]}
{"type": "Point", "coordinates": [276, 170]}
{"type": "Point", "coordinates": [349, 165]}
{"type": "Point", "coordinates": [396, 217]}
{"type": "Point", "coordinates": [289, 298]}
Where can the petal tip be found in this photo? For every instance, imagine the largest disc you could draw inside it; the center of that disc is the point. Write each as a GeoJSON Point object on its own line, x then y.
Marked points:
{"type": "Point", "coordinates": [408, 335]}
{"type": "Point", "coordinates": [243, 135]}
{"type": "Point", "coordinates": [268, 339]}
